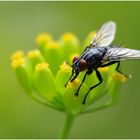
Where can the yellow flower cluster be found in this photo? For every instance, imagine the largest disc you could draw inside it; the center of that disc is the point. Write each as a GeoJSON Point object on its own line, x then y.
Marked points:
{"type": "Point", "coordinates": [44, 71]}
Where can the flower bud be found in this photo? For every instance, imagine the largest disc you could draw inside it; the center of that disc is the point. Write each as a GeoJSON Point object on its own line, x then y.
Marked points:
{"type": "Point", "coordinates": [114, 85]}
{"type": "Point", "coordinates": [53, 55]}
{"type": "Point", "coordinates": [43, 81]}
{"type": "Point", "coordinates": [43, 39]}
{"type": "Point", "coordinates": [35, 57]}
{"type": "Point", "coordinates": [62, 77]}
{"type": "Point", "coordinates": [69, 44]}
{"type": "Point", "coordinates": [17, 55]}
{"type": "Point", "coordinates": [21, 70]}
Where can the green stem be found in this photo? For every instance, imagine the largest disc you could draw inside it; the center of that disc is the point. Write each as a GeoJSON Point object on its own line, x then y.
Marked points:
{"type": "Point", "coordinates": [67, 126]}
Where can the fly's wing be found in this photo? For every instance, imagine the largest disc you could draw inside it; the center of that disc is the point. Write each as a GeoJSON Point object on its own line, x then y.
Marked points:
{"type": "Point", "coordinates": [117, 54]}
{"type": "Point", "coordinates": [105, 35]}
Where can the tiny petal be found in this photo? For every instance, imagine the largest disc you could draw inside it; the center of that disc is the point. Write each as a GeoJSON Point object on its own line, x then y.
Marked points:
{"type": "Point", "coordinates": [68, 36]}
{"type": "Point", "coordinates": [17, 55]}
{"type": "Point", "coordinates": [33, 54]}
{"type": "Point", "coordinates": [43, 38]}
{"type": "Point", "coordinates": [52, 44]}
{"type": "Point", "coordinates": [69, 44]}
{"type": "Point", "coordinates": [17, 63]}
{"type": "Point", "coordinates": [75, 84]}
{"type": "Point", "coordinates": [42, 66]}
{"type": "Point", "coordinates": [65, 68]}
{"type": "Point", "coordinates": [34, 58]}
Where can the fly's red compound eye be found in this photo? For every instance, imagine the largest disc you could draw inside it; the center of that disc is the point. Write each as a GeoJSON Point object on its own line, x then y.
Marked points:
{"type": "Point", "coordinates": [82, 64]}
{"type": "Point", "coordinates": [75, 58]}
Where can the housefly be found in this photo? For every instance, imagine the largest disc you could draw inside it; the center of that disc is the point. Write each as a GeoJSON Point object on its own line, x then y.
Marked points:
{"type": "Point", "coordinates": [100, 53]}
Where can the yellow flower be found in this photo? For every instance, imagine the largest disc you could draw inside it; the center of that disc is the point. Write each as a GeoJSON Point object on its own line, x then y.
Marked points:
{"type": "Point", "coordinates": [68, 37]}
{"type": "Point", "coordinates": [52, 44]}
{"type": "Point", "coordinates": [43, 38]}
{"type": "Point", "coordinates": [41, 66]}
{"type": "Point", "coordinates": [17, 63]}
{"type": "Point", "coordinates": [33, 54]}
{"type": "Point", "coordinates": [75, 84]}
{"type": "Point", "coordinates": [17, 55]}
{"type": "Point", "coordinates": [65, 68]}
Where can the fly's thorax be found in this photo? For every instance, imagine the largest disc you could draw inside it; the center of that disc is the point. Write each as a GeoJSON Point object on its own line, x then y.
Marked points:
{"type": "Point", "coordinates": [93, 56]}
{"type": "Point", "coordinates": [90, 58]}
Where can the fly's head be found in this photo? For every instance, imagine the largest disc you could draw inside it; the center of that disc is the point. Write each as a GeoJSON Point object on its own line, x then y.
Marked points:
{"type": "Point", "coordinates": [79, 64]}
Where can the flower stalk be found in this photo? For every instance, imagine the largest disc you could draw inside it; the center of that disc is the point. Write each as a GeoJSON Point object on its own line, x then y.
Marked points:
{"type": "Point", "coordinates": [69, 119]}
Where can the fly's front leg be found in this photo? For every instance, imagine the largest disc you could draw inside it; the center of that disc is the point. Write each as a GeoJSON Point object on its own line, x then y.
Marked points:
{"type": "Point", "coordinates": [100, 81]}
{"type": "Point", "coordinates": [87, 73]}
{"type": "Point", "coordinates": [69, 78]}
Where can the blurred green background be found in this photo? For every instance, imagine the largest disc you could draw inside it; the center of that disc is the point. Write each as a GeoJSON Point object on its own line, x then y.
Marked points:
{"type": "Point", "coordinates": [20, 22]}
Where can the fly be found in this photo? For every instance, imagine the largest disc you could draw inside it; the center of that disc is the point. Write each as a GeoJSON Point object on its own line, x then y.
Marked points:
{"type": "Point", "coordinates": [100, 53]}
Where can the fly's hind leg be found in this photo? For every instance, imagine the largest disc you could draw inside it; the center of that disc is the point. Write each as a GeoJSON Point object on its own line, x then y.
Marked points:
{"type": "Point", "coordinates": [100, 81]}
{"type": "Point", "coordinates": [117, 69]}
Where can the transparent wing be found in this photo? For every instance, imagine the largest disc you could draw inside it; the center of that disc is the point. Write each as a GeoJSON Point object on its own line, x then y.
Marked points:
{"type": "Point", "coordinates": [117, 54]}
{"type": "Point", "coordinates": [105, 35]}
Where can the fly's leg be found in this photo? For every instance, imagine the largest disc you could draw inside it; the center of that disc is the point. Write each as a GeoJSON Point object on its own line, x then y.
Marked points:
{"type": "Point", "coordinates": [87, 73]}
{"type": "Point", "coordinates": [69, 78]}
{"type": "Point", "coordinates": [100, 81]}
{"type": "Point", "coordinates": [117, 69]}
{"type": "Point", "coordinates": [72, 77]}
{"type": "Point", "coordinates": [76, 94]}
